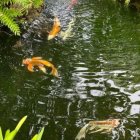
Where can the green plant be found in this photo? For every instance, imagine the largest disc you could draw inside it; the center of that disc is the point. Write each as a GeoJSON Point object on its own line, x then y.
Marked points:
{"type": "Point", "coordinates": [39, 135]}
{"type": "Point", "coordinates": [10, 10]}
{"type": "Point", "coordinates": [127, 2]}
{"type": "Point", "coordinates": [11, 135]}
{"type": "Point", "coordinates": [8, 15]}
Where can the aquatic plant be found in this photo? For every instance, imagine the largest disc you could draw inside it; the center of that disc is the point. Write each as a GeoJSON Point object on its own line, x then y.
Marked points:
{"type": "Point", "coordinates": [8, 15]}
{"type": "Point", "coordinates": [11, 135]}
{"type": "Point", "coordinates": [39, 135]}
{"type": "Point", "coordinates": [10, 10]}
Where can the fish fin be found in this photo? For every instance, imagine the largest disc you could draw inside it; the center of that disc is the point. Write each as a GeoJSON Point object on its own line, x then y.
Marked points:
{"type": "Point", "coordinates": [26, 61]}
{"type": "Point", "coordinates": [54, 72]}
{"type": "Point", "coordinates": [42, 68]}
{"type": "Point", "coordinates": [30, 68]}
{"type": "Point", "coordinates": [82, 133]}
{"type": "Point", "coordinates": [50, 37]}
{"type": "Point", "coordinates": [36, 58]}
{"type": "Point", "coordinates": [48, 64]}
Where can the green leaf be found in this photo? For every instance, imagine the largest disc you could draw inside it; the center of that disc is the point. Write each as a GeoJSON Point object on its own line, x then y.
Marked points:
{"type": "Point", "coordinates": [37, 3]}
{"type": "Point", "coordinates": [9, 22]}
{"type": "Point", "coordinates": [4, 2]}
{"type": "Point", "coordinates": [1, 136]}
{"type": "Point", "coordinates": [7, 132]}
{"type": "Point", "coordinates": [11, 9]}
{"type": "Point", "coordinates": [10, 135]}
{"type": "Point", "coordinates": [39, 135]}
{"type": "Point", "coordinates": [12, 12]}
{"type": "Point", "coordinates": [127, 2]}
{"type": "Point", "coordinates": [20, 123]}
{"type": "Point", "coordinates": [35, 137]}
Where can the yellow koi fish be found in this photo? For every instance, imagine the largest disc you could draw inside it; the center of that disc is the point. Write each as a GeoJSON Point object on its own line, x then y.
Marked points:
{"type": "Point", "coordinates": [55, 29]}
{"type": "Point", "coordinates": [40, 63]}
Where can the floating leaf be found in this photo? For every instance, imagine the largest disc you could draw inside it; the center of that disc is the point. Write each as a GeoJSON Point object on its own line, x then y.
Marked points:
{"type": "Point", "coordinates": [105, 126]}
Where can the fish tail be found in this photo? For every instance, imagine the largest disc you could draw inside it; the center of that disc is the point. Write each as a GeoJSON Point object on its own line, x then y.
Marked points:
{"type": "Point", "coordinates": [43, 69]}
{"type": "Point", "coordinates": [54, 72]}
{"type": "Point", "coordinates": [48, 64]}
{"type": "Point", "coordinates": [30, 68]}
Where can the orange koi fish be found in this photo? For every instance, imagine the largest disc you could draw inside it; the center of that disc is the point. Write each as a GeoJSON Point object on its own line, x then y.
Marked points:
{"type": "Point", "coordinates": [55, 29]}
{"type": "Point", "coordinates": [73, 2]}
{"type": "Point", "coordinates": [40, 63]}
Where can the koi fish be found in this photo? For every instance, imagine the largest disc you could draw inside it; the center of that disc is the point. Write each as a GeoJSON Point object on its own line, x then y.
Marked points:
{"type": "Point", "coordinates": [73, 2]}
{"type": "Point", "coordinates": [68, 33]}
{"type": "Point", "coordinates": [55, 29]}
{"type": "Point", "coordinates": [105, 126]}
{"type": "Point", "coordinates": [40, 63]}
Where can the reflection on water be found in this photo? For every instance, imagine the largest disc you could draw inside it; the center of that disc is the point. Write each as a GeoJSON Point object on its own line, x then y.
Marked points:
{"type": "Point", "coordinates": [98, 73]}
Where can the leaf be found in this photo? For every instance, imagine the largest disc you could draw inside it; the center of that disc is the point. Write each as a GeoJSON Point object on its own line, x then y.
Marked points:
{"type": "Point", "coordinates": [37, 3]}
{"type": "Point", "coordinates": [7, 132]}
{"type": "Point", "coordinates": [10, 135]}
{"type": "Point", "coordinates": [35, 137]}
{"type": "Point", "coordinates": [39, 135]}
{"type": "Point", "coordinates": [20, 123]}
{"type": "Point", "coordinates": [9, 22]}
{"type": "Point", "coordinates": [127, 2]}
{"type": "Point", "coordinates": [4, 2]}
{"type": "Point", "coordinates": [105, 126]}
{"type": "Point", "coordinates": [1, 136]}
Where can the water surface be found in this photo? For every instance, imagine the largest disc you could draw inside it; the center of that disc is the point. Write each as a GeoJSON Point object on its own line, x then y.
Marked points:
{"type": "Point", "coordinates": [99, 70]}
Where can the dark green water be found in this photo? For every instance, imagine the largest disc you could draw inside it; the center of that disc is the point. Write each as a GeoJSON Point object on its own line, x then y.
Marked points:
{"type": "Point", "coordinates": [99, 74]}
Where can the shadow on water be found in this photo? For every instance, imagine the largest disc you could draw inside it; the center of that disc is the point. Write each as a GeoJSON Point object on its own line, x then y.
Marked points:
{"type": "Point", "coordinates": [98, 73]}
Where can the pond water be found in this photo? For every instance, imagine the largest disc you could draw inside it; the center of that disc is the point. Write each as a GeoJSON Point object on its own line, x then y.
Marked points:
{"type": "Point", "coordinates": [99, 73]}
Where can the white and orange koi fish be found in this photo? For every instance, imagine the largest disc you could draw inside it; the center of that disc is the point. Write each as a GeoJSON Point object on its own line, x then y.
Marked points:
{"type": "Point", "coordinates": [40, 63]}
